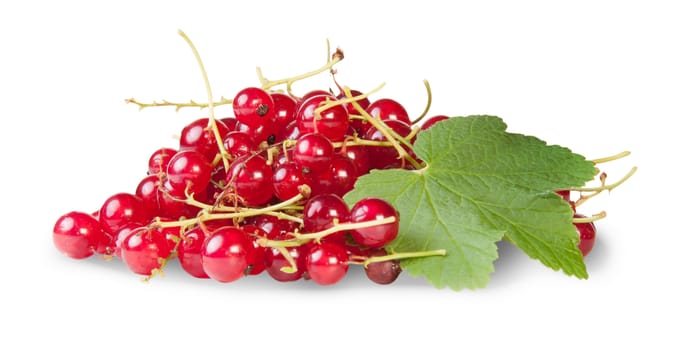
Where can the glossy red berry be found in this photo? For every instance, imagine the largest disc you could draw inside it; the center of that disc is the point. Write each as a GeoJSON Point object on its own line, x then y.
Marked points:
{"type": "Point", "coordinates": [389, 109]}
{"type": "Point", "coordinates": [327, 263]}
{"type": "Point", "coordinates": [369, 209]}
{"type": "Point", "coordinates": [144, 250]}
{"type": "Point", "coordinates": [199, 136]}
{"type": "Point", "coordinates": [188, 172]}
{"type": "Point", "coordinates": [587, 235]}
{"type": "Point", "coordinates": [313, 153]}
{"type": "Point", "coordinates": [225, 254]}
{"type": "Point", "coordinates": [250, 178]}
{"type": "Point", "coordinates": [189, 252]}
{"type": "Point", "coordinates": [158, 161]}
{"type": "Point", "coordinates": [121, 209]}
{"type": "Point", "coordinates": [254, 107]}
{"type": "Point", "coordinates": [77, 234]}
{"type": "Point", "coordinates": [332, 122]}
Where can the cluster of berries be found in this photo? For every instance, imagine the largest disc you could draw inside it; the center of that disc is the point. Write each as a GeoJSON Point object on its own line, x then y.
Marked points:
{"type": "Point", "coordinates": [261, 191]}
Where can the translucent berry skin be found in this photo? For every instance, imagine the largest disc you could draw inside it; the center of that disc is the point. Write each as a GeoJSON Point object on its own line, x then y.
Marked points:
{"type": "Point", "coordinates": [389, 109]}
{"type": "Point", "coordinates": [284, 109]}
{"type": "Point", "coordinates": [224, 254]}
{"type": "Point", "coordinates": [369, 209]}
{"type": "Point", "coordinates": [326, 263]}
{"type": "Point", "coordinates": [77, 234]}
{"type": "Point", "coordinates": [189, 252]}
{"type": "Point", "coordinates": [197, 136]}
{"type": "Point", "coordinates": [286, 180]}
{"type": "Point", "coordinates": [360, 158]}
{"type": "Point", "coordinates": [251, 178]}
{"type": "Point", "coordinates": [333, 122]}
{"type": "Point", "coordinates": [339, 178]}
{"type": "Point", "coordinates": [275, 261]}
{"type": "Point", "coordinates": [587, 235]}
{"type": "Point", "coordinates": [253, 106]}
{"type": "Point", "coordinates": [321, 210]}
{"type": "Point", "coordinates": [158, 161]}
{"type": "Point", "coordinates": [313, 153]}
{"type": "Point", "coordinates": [188, 171]}
{"type": "Point", "coordinates": [144, 250]}
{"type": "Point", "coordinates": [256, 257]}
{"type": "Point", "coordinates": [121, 209]}
{"type": "Point", "coordinates": [239, 144]}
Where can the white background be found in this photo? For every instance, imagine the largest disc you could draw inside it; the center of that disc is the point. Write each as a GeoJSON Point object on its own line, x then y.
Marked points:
{"type": "Point", "coordinates": [598, 77]}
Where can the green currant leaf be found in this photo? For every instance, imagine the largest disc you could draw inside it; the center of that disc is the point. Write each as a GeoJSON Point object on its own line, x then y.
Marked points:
{"type": "Point", "coordinates": [481, 184]}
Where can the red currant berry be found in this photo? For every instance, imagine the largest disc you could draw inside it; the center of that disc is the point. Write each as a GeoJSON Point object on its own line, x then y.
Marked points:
{"type": "Point", "coordinates": [225, 254]}
{"type": "Point", "coordinates": [77, 234]}
{"type": "Point", "coordinates": [327, 263]}
{"type": "Point", "coordinates": [188, 172]}
{"type": "Point", "coordinates": [313, 153]}
{"type": "Point", "coordinates": [428, 123]}
{"type": "Point", "coordinates": [387, 157]}
{"type": "Point", "coordinates": [198, 136]}
{"type": "Point", "coordinates": [251, 179]}
{"type": "Point", "coordinates": [145, 250]}
{"type": "Point", "coordinates": [253, 106]}
{"type": "Point", "coordinates": [121, 209]}
{"type": "Point", "coordinates": [375, 236]}
{"type": "Point", "coordinates": [587, 235]}
{"type": "Point", "coordinates": [388, 109]}
{"type": "Point", "coordinates": [189, 252]}
{"type": "Point", "coordinates": [239, 144]}
{"type": "Point", "coordinates": [275, 261]}
{"type": "Point", "coordinates": [332, 123]}
{"type": "Point", "coordinates": [322, 210]}
{"type": "Point", "coordinates": [158, 162]}
{"type": "Point", "coordinates": [286, 180]}
{"type": "Point", "coordinates": [284, 109]}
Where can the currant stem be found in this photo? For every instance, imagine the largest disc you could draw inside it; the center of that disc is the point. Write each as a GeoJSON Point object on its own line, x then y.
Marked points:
{"type": "Point", "coordinates": [343, 227]}
{"type": "Point", "coordinates": [387, 132]}
{"type": "Point", "coordinates": [607, 187]}
{"type": "Point", "coordinates": [268, 84]}
{"type": "Point", "coordinates": [611, 158]}
{"type": "Point", "coordinates": [591, 218]}
{"type": "Point", "coordinates": [211, 105]}
{"type": "Point", "coordinates": [177, 105]}
{"type": "Point", "coordinates": [330, 104]}
{"type": "Point", "coordinates": [404, 255]}
{"type": "Point", "coordinates": [430, 100]}
{"type": "Point", "coordinates": [205, 215]}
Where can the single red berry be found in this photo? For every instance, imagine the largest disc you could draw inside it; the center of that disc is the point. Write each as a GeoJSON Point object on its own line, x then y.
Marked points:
{"type": "Point", "coordinates": [388, 109]}
{"type": "Point", "coordinates": [77, 234]}
{"type": "Point", "coordinates": [253, 106]}
{"type": "Point", "coordinates": [158, 161]}
{"type": "Point", "coordinates": [225, 254]}
{"type": "Point", "coordinates": [587, 235]}
{"type": "Point", "coordinates": [121, 209]}
{"type": "Point", "coordinates": [313, 153]}
{"type": "Point", "coordinates": [326, 263]}
{"type": "Point", "coordinates": [145, 250]}
{"type": "Point", "coordinates": [189, 252]}
{"type": "Point", "coordinates": [369, 209]}
{"type": "Point", "coordinates": [199, 136]}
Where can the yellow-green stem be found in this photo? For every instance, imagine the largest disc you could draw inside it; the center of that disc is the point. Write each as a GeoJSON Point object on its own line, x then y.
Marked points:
{"type": "Point", "coordinates": [211, 105]}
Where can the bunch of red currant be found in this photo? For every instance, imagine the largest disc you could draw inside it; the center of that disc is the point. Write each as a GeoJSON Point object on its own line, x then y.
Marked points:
{"type": "Point", "coordinates": [261, 192]}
